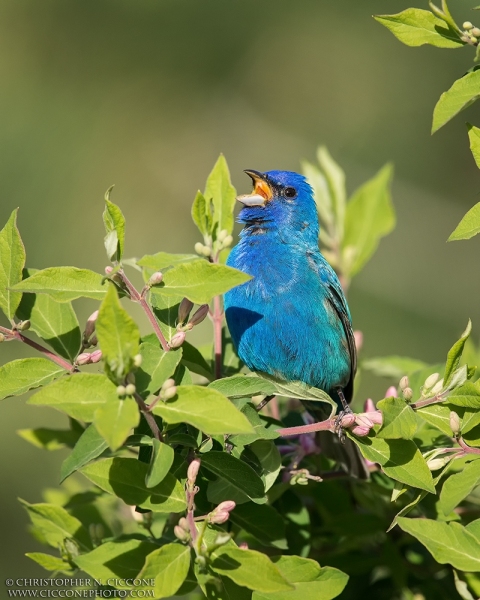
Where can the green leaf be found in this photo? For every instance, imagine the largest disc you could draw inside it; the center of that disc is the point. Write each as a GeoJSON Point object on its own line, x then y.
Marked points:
{"type": "Point", "coordinates": [157, 365]}
{"type": "Point", "coordinates": [437, 415]}
{"type": "Point", "coordinates": [49, 562]}
{"type": "Point", "coordinates": [12, 261]}
{"type": "Point", "coordinates": [415, 27]}
{"type": "Point", "coordinates": [269, 459]}
{"type": "Point", "coordinates": [220, 190]}
{"type": "Point", "coordinates": [202, 214]}
{"type": "Point", "coordinates": [19, 376]}
{"type": "Point", "coordinates": [474, 137]}
{"type": "Point", "coordinates": [169, 567]}
{"type": "Point", "coordinates": [458, 486]}
{"type": "Point", "coordinates": [114, 420]}
{"type": "Point", "coordinates": [239, 386]}
{"type": "Point", "coordinates": [455, 354]}
{"type": "Point", "coordinates": [399, 419]}
{"type": "Point", "coordinates": [467, 395]}
{"type": "Point", "coordinates": [394, 367]}
{"type": "Point", "coordinates": [118, 335]}
{"type": "Point", "coordinates": [125, 478]}
{"type": "Point", "coordinates": [329, 584]}
{"type": "Point", "coordinates": [78, 395]}
{"type": "Point", "coordinates": [250, 569]}
{"type": "Point", "coordinates": [369, 217]}
{"type": "Point", "coordinates": [236, 473]}
{"type": "Point", "coordinates": [115, 560]}
{"type": "Point", "coordinates": [50, 439]}
{"type": "Point", "coordinates": [468, 226]}
{"type": "Point", "coordinates": [463, 93]}
{"type": "Point", "coordinates": [64, 284]}
{"type": "Point", "coordinates": [89, 446]}
{"type": "Point", "coordinates": [205, 409]}
{"type": "Point", "coordinates": [56, 524]}
{"type": "Point", "coordinates": [114, 222]}
{"type": "Point", "coordinates": [297, 569]}
{"type": "Point", "coordinates": [160, 463]}
{"type": "Point", "coordinates": [399, 459]}
{"type": "Point", "coordinates": [261, 521]}
{"type": "Point", "coordinates": [259, 425]}
{"type": "Point", "coordinates": [199, 281]}
{"type": "Point", "coordinates": [54, 322]}
{"type": "Point", "coordinates": [194, 361]}
{"type": "Point", "coordinates": [162, 260]}
{"type": "Point", "coordinates": [449, 543]}
{"type": "Point", "coordinates": [300, 390]}
{"type": "Point", "coordinates": [335, 179]}
{"type": "Point", "coordinates": [166, 311]}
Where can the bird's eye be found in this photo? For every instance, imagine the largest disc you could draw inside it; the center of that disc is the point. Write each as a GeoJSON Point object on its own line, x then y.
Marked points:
{"type": "Point", "coordinates": [290, 192]}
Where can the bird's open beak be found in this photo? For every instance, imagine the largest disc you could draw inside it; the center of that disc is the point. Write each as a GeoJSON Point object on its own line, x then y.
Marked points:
{"type": "Point", "coordinates": [262, 192]}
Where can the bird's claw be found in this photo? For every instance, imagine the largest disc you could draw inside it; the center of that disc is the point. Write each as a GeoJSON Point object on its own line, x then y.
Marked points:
{"type": "Point", "coordinates": [339, 428]}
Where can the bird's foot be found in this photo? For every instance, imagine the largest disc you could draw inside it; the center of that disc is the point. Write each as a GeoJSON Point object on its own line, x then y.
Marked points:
{"type": "Point", "coordinates": [341, 422]}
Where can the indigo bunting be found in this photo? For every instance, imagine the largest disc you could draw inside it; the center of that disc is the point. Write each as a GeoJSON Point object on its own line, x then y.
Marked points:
{"type": "Point", "coordinates": [291, 320]}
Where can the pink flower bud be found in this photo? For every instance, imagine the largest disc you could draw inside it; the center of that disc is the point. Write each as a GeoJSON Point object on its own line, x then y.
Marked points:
{"type": "Point", "coordinates": [93, 340]}
{"type": "Point", "coordinates": [347, 420]}
{"type": "Point", "coordinates": [361, 431]}
{"type": "Point", "coordinates": [168, 384]}
{"type": "Point", "coordinates": [199, 315]}
{"type": "Point", "coordinates": [227, 505]}
{"type": "Point", "coordinates": [369, 406]}
{"type": "Point", "coordinates": [391, 392]}
{"type": "Point", "coordinates": [90, 325]}
{"type": "Point", "coordinates": [96, 356]}
{"type": "Point", "coordinates": [219, 517]}
{"type": "Point", "coordinates": [108, 270]}
{"type": "Point", "coordinates": [243, 546]}
{"type": "Point", "coordinates": [375, 417]}
{"type": "Point", "coordinates": [363, 420]}
{"type": "Point", "coordinates": [177, 340]}
{"type": "Point", "coordinates": [193, 468]}
{"type": "Point", "coordinates": [184, 309]}
{"type": "Point", "coordinates": [83, 359]}
{"type": "Point", "coordinates": [180, 533]}
{"type": "Point", "coordinates": [156, 278]}
{"type": "Point", "coordinates": [169, 393]}
{"type": "Point", "coordinates": [358, 335]}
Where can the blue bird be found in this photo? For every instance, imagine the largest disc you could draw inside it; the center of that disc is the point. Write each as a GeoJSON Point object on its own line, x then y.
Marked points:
{"type": "Point", "coordinates": [291, 320]}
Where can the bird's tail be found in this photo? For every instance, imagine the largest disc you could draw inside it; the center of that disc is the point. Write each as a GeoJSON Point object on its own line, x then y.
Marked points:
{"type": "Point", "coordinates": [345, 453]}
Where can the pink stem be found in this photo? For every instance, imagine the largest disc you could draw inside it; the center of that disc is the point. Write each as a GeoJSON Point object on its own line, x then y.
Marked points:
{"type": "Point", "coordinates": [140, 299]}
{"type": "Point", "coordinates": [466, 448]}
{"type": "Point", "coordinates": [328, 425]}
{"type": "Point", "coordinates": [45, 351]}
{"type": "Point", "coordinates": [149, 417]}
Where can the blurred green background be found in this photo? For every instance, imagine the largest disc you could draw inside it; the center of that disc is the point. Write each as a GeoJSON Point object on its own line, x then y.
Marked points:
{"type": "Point", "coordinates": [146, 93]}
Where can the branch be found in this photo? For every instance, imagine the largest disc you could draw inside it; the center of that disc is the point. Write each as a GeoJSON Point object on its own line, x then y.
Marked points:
{"type": "Point", "coordinates": [466, 448]}
{"type": "Point", "coordinates": [217, 318]}
{"type": "Point", "coordinates": [140, 299]}
{"type": "Point", "coordinates": [148, 417]}
{"type": "Point", "coordinates": [328, 425]}
{"type": "Point", "coordinates": [61, 362]}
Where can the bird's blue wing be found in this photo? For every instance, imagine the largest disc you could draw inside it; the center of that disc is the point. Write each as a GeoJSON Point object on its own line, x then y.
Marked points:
{"type": "Point", "coordinates": [336, 298]}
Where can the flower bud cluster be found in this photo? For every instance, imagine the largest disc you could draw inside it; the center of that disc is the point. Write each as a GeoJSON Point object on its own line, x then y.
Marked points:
{"type": "Point", "coordinates": [89, 338]}
{"type": "Point", "coordinates": [126, 390]}
{"type": "Point", "coordinates": [470, 34]}
{"type": "Point", "coordinates": [407, 391]}
{"type": "Point", "coordinates": [89, 358]}
{"type": "Point", "coordinates": [183, 313]}
{"type": "Point", "coordinates": [221, 513]}
{"type": "Point", "coordinates": [202, 249]}
{"type": "Point", "coordinates": [182, 530]}
{"type": "Point", "coordinates": [224, 239]}
{"type": "Point", "coordinates": [169, 389]}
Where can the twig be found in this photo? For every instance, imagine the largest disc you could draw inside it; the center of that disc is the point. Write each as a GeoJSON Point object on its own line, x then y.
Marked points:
{"type": "Point", "coordinates": [433, 400]}
{"type": "Point", "coordinates": [328, 425]}
{"type": "Point", "coordinates": [16, 335]}
{"type": "Point", "coordinates": [148, 417]}
{"type": "Point", "coordinates": [140, 299]}
{"type": "Point", "coordinates": [466, 448]}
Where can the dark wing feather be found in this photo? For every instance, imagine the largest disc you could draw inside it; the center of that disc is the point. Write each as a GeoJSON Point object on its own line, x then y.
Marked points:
{"type": "Point", "coordinates": [339, 304]}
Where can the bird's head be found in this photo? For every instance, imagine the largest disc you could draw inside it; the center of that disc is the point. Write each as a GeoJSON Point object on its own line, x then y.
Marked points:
{"type": "Point", "coordinates": [283, 199]}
